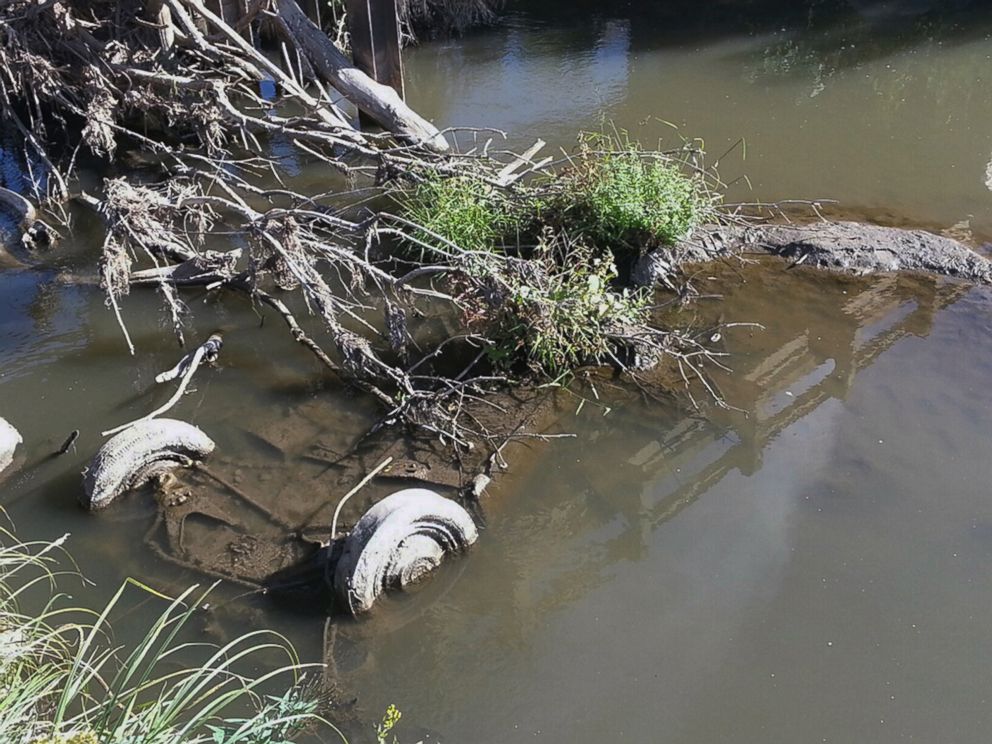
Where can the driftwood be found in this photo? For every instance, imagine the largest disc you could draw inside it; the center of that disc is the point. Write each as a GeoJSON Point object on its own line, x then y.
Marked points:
{"type": "Point", "coordinates": [380, 102]}
{"type": "Point", "coordinates": [207, 351]}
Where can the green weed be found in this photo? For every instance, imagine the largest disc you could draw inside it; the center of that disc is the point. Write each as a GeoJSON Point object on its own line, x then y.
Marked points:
{"type": "Point", "coordinates": [64, 681]}
{"type": "Point", "coordinates": [620, 196]}
{"type": "Point", "coordinates": [565, 312]}
{"type": "Point", "coordinates": [464, 211]}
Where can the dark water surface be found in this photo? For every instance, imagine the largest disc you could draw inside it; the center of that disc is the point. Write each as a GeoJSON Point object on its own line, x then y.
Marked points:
{"type": "Point", "coordinates": [812, 565]}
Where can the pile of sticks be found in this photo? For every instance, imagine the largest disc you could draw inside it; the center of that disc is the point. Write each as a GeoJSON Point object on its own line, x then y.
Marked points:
{"type": "Point", "coordinates": [202, 100]}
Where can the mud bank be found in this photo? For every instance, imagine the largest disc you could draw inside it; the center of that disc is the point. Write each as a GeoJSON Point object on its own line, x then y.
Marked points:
{"type": "Point", "coordinates": [850, 247]}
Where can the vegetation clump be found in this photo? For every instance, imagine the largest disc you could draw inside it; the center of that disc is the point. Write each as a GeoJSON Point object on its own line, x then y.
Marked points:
{"type": "Point", "coordinates": [554, 300]}
{"type": "Point", "coordinates": [618, 195]}
{"type": "Point", "coordinates": [462, 210]}
{"type": "Point", "coordinates": [565, 312]}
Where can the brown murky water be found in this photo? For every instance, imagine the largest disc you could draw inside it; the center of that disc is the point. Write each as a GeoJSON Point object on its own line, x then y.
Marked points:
{"type": "Point", "coordinates": [815, 565]}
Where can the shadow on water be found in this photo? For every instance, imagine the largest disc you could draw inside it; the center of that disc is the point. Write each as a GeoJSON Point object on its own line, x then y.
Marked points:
{"type": "Point", "coordinates": [881, 26]}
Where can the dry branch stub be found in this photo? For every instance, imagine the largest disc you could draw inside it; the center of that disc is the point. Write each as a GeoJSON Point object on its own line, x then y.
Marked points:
{"type": "Point", "coordinates": [186, 368]}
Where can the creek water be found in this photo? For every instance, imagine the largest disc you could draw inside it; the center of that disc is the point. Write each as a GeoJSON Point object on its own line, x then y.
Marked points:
{"type": "Point", "coordinates": [812, 564]}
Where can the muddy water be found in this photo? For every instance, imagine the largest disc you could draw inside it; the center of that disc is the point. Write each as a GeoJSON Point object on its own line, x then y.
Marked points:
{"type": "Point", "coordinates": [811, 565]}
{"type": "Point", "coordinates": [817, 569]}
{"type": "Point", "coordinates": [881, 105]}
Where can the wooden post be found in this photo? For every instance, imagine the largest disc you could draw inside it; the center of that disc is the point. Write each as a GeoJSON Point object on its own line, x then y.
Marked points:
{"type": "Point", "coordinates": [374, 27]}
{"type": "Point", "coordinates": [231, 12]}
{"type": "Point", "coordinates": [312, 9]}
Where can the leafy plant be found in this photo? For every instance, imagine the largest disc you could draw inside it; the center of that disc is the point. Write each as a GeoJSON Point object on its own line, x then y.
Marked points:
{"type": "Point", "coordinates": [542, 255]}
{"type": "Point", "coordinates": [389, 720]}
{"type": "Point", "coordinates": [565, 312]}
{"type": "Point", "coordinates": [618, 195]}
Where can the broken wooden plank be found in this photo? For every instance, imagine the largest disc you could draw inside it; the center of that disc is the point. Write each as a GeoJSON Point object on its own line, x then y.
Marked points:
{"type": "Point", "coordinates": [509, 174]}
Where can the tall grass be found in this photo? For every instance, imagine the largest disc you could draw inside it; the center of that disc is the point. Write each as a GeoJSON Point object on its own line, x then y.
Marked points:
{"type": "Point", "coordinates": [466, 211]}
{"type": "Point", "coordinates": [612, 193]}
{"type": "Point", "coordinates": [64, 681]}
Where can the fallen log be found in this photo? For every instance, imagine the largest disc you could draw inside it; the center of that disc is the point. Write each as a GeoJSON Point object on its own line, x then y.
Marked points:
{"type": "Point", "coordinates": [380, 102]}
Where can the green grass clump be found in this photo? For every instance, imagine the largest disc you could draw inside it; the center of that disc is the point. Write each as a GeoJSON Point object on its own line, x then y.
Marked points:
{"type": "Point", "coordinates": [566, 313]}
{"type": "Point", "coordinates": [619, 196]}
{"type": "Point", "coordinates": [461, 210]}
{"type": "Point", "coordinates": [63, 680]}
{"type": "Point", "coordinates": [540, 255]}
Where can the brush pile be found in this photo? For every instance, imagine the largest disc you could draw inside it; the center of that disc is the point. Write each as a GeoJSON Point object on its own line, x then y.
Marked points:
{"type": "Point", "coordinates": [213, 112]}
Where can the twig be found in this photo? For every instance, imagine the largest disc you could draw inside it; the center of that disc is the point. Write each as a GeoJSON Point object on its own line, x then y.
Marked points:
{"type": "Point", "coordinates": [375, 471]}
{"type": "Point", "coordinates": [208, 349]}
{"type": "Point", "coordinates": [68, 443]}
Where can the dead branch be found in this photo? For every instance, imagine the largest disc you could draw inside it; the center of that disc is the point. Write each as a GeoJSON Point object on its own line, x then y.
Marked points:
{"type": "Point", "coordinates": [207, 351]}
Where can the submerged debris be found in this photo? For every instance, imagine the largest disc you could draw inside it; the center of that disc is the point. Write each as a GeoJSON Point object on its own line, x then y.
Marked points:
{"type": "Point", "coordinates": [863, 249]}
{"type": "Point", "coordinates": [397, 542]}
{"type": "Point", "coordinates": [138, 454]}
{"type": "Point", "coordinates": [9, 439]}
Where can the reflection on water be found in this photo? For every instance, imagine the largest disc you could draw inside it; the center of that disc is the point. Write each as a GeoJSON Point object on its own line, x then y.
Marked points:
{"type": "Point", "coordinates": [755, 575]}
{"type": "Point", "coordinates": [805, 566]}
{"type": "Point", "coordinates": [523, 64]}
{"type": "Point", "coordinates": [881, 105]}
